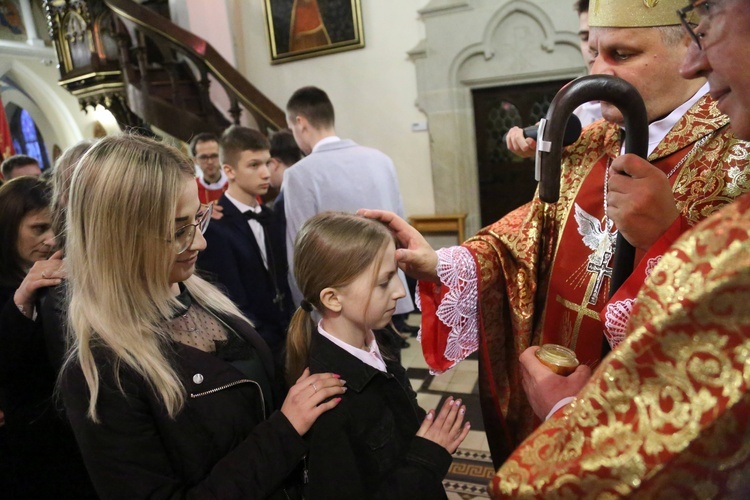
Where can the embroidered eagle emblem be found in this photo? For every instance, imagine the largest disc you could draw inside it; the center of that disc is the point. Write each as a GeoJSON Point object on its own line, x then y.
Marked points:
{"type": "Point", "coordinates": [602, 241]}
{"type": "Point", "coordinates": [595, 236]}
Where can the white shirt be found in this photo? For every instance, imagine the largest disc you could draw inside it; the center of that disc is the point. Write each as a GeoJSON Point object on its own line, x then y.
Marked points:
{"type": "Point", "coordinates": [255, 226]}
{"type": "Point", "coordinates": [340, 176]}
{"type": "Point", "coordinates": [213, 186]}
{"type": "Point", "coordinates": [323, 141]}
{"type": "Point", "coordinates": [371, 358]}
{"type": "Point", "coordinates": [588, 113]}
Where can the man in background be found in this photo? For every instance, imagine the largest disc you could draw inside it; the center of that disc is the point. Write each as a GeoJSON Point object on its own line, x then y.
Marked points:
{"type": "Point", "coordinates": [337, 174]}
{"type": "Point", "coordinates": [20, 165]}
{"type": "Point", "coordinates": [284, 154]}
{"type": "Point", "coordinates": [245, 247]}
{"type": "Point", "coordinates": [587, 113]}
{"type": "Point", "coordinates": [212, 181]}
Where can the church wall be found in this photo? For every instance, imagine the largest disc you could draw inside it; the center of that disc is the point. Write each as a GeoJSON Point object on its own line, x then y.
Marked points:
{"type": "Point", "coordinates": [55, 111]}
{"type": "Point", "coordinates": [373, 90]}
{"type": "Point", "coordinates": [421, 61]}
{"type": "Point", "coordinates": [471, 44]}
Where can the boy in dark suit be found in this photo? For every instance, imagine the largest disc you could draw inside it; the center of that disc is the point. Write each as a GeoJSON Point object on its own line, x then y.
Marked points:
{"type": "Point", "coordinates": [245, 253]}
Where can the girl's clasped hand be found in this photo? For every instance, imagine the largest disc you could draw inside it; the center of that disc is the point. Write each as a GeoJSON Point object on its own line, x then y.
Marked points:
{"type": "Point", "coordinates": [447, 428]}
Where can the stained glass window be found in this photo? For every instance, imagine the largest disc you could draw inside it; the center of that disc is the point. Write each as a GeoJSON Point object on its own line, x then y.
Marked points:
{"type": "Point", "coordinates": [26, 137]}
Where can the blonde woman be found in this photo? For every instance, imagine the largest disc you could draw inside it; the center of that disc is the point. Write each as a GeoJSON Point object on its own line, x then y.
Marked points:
{"type": "Point", "coordinates": [170, 391]}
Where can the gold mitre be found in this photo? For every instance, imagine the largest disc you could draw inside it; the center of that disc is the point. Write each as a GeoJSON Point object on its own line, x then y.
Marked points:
{"type": "Point", "coordinates": [634, 13]}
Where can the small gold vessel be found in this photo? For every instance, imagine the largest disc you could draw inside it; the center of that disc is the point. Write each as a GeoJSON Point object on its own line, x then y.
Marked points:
{"type": "Point", "coordinates": [557, 358]}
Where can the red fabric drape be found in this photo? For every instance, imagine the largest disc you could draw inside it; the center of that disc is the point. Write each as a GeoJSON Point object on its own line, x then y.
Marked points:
{"type": "Point", "coordinates": [6, 141]}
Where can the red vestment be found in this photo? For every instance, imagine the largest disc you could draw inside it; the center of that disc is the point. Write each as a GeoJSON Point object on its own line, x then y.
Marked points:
{"type": "Point", "coordinates": [667, 414]}
{"type": "Point", "coordinates": [6, 141]}
{"type": "Point", "coordinates": [207, 195]}
{"type": "Point", "coordinates": [534, 281]}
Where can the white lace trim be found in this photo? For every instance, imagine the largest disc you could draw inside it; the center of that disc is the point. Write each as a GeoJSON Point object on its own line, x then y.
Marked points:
{"type": "Point", "coordinates": [616, 321]}
{"type": "Point", "coordinates": [651, 264]}
{"type": "Point", "coordinates": [458, 309]}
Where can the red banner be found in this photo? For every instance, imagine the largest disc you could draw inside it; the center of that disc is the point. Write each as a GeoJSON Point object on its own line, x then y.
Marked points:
{"type": "Point", "coordinates": [6, 141]}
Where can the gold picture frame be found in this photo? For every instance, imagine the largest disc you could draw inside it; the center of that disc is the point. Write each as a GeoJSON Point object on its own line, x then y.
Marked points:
{"type": "Point", "coordinates": [298, 29]}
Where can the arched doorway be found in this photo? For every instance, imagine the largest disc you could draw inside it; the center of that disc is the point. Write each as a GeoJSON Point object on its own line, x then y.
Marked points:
{"type": "Point", "coordinates": [506, 181]}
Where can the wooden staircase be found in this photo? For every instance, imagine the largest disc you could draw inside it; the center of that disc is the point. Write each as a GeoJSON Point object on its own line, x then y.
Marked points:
{"type": "Point", "coordinates": [148, 71]}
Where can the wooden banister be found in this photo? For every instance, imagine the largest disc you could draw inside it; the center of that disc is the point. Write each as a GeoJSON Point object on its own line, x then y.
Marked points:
{"type": "Point", "coordinates": [205, 58]}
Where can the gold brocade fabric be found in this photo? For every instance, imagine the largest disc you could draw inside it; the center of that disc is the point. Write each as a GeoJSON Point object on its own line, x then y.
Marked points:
{"type": "Point", "coordinates": [667, 414]}
{"type": "Point", "coordinates": [516, 256]}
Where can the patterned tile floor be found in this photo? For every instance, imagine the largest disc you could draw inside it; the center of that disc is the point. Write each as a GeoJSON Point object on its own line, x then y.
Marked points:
{"type": "Point", "coordinates": [472, 467]}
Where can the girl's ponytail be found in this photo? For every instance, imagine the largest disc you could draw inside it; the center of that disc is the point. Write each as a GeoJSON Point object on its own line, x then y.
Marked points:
{"type": "Point", "coordinates": [298, 343]}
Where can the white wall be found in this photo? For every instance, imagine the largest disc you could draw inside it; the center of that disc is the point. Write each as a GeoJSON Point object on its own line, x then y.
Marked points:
{"type": "Point", "coordinates": [373, 89]}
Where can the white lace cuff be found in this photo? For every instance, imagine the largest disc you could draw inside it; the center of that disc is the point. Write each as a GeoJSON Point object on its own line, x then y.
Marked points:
{"type": "Point", "coordinates": [458, 309]}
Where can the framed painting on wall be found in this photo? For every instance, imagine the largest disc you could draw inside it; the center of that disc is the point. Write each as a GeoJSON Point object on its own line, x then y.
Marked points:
{"type": "Point", "coordinates": [299, 29]}
{"type": "Point", "coordinates": [11, 22]}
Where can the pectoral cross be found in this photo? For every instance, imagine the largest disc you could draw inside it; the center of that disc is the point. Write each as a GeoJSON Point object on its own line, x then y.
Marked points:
{"type": "Point", "coordinates": [599, 264]}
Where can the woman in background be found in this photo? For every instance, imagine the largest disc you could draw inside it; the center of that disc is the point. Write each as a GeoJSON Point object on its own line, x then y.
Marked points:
{"type": "Point", "coordinates": [35, 440]}
{"type": "Point", "coordinates": [52, 301]}
{"type": "Point", "coordinates": [26, 233]}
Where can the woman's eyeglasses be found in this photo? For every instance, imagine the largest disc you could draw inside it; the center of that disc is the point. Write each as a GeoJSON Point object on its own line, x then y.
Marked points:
{"type": "Point", "coordinates": [185, 235]}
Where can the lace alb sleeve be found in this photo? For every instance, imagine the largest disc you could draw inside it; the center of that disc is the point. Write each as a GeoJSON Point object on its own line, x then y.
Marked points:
{"type": "Point", "coordinates": [458, 309]}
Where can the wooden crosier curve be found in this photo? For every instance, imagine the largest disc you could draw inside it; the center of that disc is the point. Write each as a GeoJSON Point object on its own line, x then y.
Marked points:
{"type": "Point", "coordinates": [626, 98]}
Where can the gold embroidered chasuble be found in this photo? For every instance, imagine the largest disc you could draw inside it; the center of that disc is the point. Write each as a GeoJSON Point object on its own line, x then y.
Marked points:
{"type": "Point", "coordinates": [667, 414]}
{"type": "Point", "coordinates": [533, 266]}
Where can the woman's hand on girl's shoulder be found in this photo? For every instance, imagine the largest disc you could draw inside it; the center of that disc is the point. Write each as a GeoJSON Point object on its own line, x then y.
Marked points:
{"type": "Point", "coordinates": [310, 397]}
{"type": "Point", "coordinates": [447, 428]}
{"type": "Point", "coordinates": [43, 273]}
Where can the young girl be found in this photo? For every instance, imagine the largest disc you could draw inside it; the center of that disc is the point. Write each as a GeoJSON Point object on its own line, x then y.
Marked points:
{"type": "Point", "coordinates": [170, 392]}
{"type": "Point", "coordinates": [372, 444]}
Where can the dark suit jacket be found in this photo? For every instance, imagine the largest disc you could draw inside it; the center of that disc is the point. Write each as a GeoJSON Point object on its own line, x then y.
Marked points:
{"type": "Point", "coordinates": [366, 447]}
{"type": "Point", "coordinates": [232, 260]}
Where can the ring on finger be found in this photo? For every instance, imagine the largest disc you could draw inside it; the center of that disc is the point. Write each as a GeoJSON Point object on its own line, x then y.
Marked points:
{"type": "Point", "coordinates": [315, 388]}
